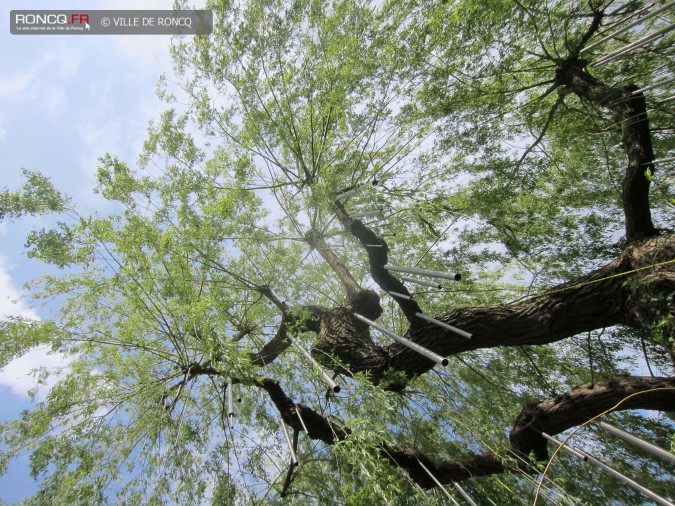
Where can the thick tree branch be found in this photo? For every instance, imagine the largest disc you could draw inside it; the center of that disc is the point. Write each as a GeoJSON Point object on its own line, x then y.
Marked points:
{"type": "Point", "coordinates": [378, 250]}
{"type": "Point", "coordinates": [583, 403]}
{"type": "Point", "coordinates": [315, 240]}
{"type": "Point", "coordinates": [614, 294]}
{"type": "Point", "coordinates": [630, 111]}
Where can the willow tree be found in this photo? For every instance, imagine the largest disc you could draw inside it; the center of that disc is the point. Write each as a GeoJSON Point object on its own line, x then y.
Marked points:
{"type": "Point", "coordinates": [489, 145]}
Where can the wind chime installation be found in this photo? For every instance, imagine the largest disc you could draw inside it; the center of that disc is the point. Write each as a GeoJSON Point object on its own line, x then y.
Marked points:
{"type": "Point", "coordinates": [586, 457]}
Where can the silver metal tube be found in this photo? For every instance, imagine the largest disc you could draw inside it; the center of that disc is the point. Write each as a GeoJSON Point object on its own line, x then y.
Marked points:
{"type": "Point", "coordinates": [348, 193]}
{"type": "Point", "coordinates": [463, 493]}
{"type": "Point", "coordinates": [565, 447]}
{"type": "Point", "coordinates": [294, 459]}
{"type": "Point", "coordinates": [373, 246]}
{"type": "Point", "coordinates": [640, 443]}
{"type": "Point", "coordinates": [302, 422]}
{"type": "Point", "coordinates": [400, 295]}
{"type": "Point", "coordinates": [422, 282]}
{"type": "Point", "coordinates": [627, 480]}
{"type": "Point", "coordinates": [443, 325]}
{"type": "Point", "coordinates": [625, 28]}
{"type": "Point", "coordinates": [663, 160]}
{"type": "Point", "coordinates": [334, 386]}
{"type": "Point", "coordinates": [633, 45]}
{"type": "Point", "coordinates": [652, 86]}
{"type": "Point", "coordinates": [666, 100]}
{"type": "Point", "coordinates": [424, 272]}
{"type": "Point", "coordinates": [405, 342]}
{"type": "Point", "coordinates": [367, 214]}
{"type": "Point", "coordinates": [438, 483]}
{"type": "Point", "coordinates": [230, 403]}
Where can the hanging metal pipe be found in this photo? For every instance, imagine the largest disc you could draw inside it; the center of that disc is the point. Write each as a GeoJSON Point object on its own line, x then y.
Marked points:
{"type": "Point", "coordinates": [405, 342]}
{"type": "Point", "coordinates": [565, 447]}
{"type": "Point", "coordinates": [438, 483]}
{"type": "Point", "coordinates": [463, 493]}
{"type": "Point", "coordinates": [652, 86]}
{"type": "Point", "coordinates": [334, 386]}
{"type": "Point", "coordinates": [294, 459]}
{"type": "Point", "coordinates": [626, 28]}
{"type": "Point", "coordinates": [627, 480]}
{"type": "Point", "coordinates": [400, 295]}
{"type": "Point", "coordinates": [640, 443]}
{"type": "Point", "coordinates": [633, 45]}
{"type": "Point", "coordinates": [424, 272]}
{"type": "Point", "coordinates": [302, 422]}
{"type": "Point", "coordinates": [662, 160]}
{"type": "Point", "coordinates": [230, 403]}
{"type": "Point", "coordinates": [367, 214]}
{"type": "Point", "coordinates": [422, 282]}
{"type": "Point", "coordinates": [348, 193]}
{"type": "Point", "coordinates": [443, 325]}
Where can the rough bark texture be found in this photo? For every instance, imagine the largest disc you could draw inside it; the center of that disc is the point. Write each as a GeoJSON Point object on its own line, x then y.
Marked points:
{"type": "Point", "coordinates": [583, 403]}
{"type": "Point", "coordinates": [618, 293]}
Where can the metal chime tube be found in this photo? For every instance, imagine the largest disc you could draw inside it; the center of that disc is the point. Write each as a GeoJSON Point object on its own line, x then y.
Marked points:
{"type": "Point", "coordinates": [639, 442]}
{"type": "Point", "coordinates": [368, 214]}
{"type": "Point", "coordinates": [443, 325]}
{"type": "Point", "coordinates": [589, 458]}
{"type": "Point", "coordinates": [652, 86]}
{"type": "Point", "coordinates": [348, 193]}
{"type": "Point", "coordinates": [422, 282]}
{"type": "Point", "coordinates": [664, 160]}
{"type": "Point", "coordinates": [463, 493]}
{"type": "Point", "coordinates": [334, 386]}
{"type": "Point", "coordinates": [302, 422]}
{"type": "Point", "coordinates": [565, 447]}
{"type": "Point", "coordinates": [633, 45]}
{"type": "Point", "coordinates": [405, 342]}
{"type": "Point", "coordinates": [294, 459]}
{"type": "Point", "coordinates": [230, 403]}
{"type": "Point", "coordinates": [400, 295]}
{"type": "Point", "coordinates": [627, 480]}
{"type": "Point", "coordinates": [424, 272]}
{"type": "Point", "coordinates": [626, 28]}
{"type": "Point", "coordinates": [438, 483]}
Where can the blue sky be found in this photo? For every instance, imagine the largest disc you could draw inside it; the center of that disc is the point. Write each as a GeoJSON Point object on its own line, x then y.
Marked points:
{"type": "Point", "coordinates": [64, 101]}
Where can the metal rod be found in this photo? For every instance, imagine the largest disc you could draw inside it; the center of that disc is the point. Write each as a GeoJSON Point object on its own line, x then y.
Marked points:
{"type": "Point", "coordinates": [627, 480]}
{"type": "Point", "coordinates": [640, 443]}
{"type": "Point", "coordinates": [367, 214]}
{"type": "Point", "coordinates": [230, 404]}
{"type": "Point", "coordinates": [346, 194]}
{"type": "Point", "coordinates": [422, 282]}
{"type": "Point", "coordinates": [633, 45]}
{"type": "Point", "coordinates": [565, 447]}
{"type": "Point", "coordinates": [463, 493]}
{"type": "Point", "coordinates": [626, 28]}
{"type": "Point", "coordinates": [334, 386]}
{"type": "Point", "coordinates": [652, 86]}
{"type": "Point", "coordinates": [406, 342]}
{"type": "Point", "coordinates": [662, 160]}
{"type": "Point", "coordinates": [444, 325]}
{"type": "Point", "coordinates": [424, 272]}
{"type": "Point", "coordinates": [302, 422]}
{"type": "Point", "coordinates": [666, 100]}
{"type": "Point", "coordinates": [400, 295]}
{"type": "Point", "coordinates": [438, 483]}
{"type": "Point", "coordinates": [294, 459]}
{"type": "Point", "coordinates": [373, 246]}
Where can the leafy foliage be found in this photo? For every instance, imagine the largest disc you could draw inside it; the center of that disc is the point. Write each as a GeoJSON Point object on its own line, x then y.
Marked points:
{"type": "Point", "coordinates": [480, 165]}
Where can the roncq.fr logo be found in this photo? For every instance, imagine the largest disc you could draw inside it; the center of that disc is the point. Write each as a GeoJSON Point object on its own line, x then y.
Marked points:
{"type": "Point", "coordinates": [51, 19]}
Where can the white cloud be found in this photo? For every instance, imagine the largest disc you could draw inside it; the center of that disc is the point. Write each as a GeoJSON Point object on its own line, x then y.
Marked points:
{"type": "Point", "coordinates": [15, 85]}
{"type": "Point", "coordinates": [17, 374]}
